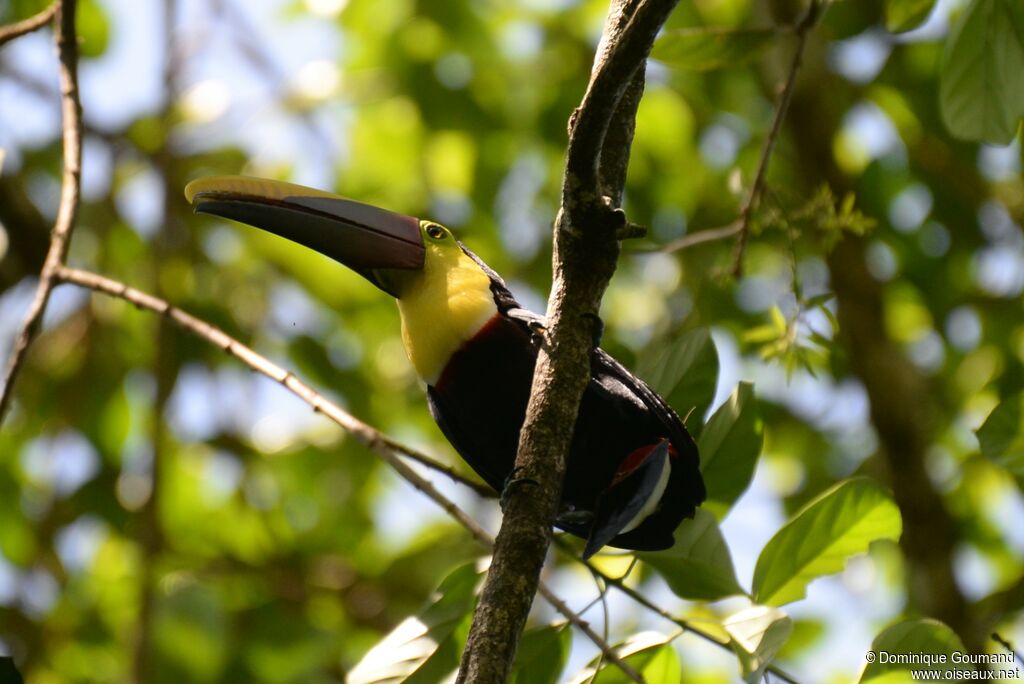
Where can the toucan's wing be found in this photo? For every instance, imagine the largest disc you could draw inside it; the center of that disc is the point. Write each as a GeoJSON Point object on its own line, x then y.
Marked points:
{"type": "Point", "coordinates": [626, 500]}
{"type": "Point", "coordinates": [615, 379]}
{"type": "Point", "coordinates": [685, 490]}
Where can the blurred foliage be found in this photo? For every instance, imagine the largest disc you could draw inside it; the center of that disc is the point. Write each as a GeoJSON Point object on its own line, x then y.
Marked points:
{"type": "Point", "coordinates": [167, 515]}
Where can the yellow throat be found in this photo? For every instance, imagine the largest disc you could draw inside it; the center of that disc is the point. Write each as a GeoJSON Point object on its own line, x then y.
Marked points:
{"type": "Point", "coordinates": [443, 305]}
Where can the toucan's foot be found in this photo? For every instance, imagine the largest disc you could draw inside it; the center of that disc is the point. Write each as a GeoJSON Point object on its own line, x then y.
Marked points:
{"type": "Point", "coordinates": [631, 231]}
{"type": "Point", "coordinates": [598, 332]}
{"type": "Point", "coordinates": [513, 481]}
{"type": "Point", "coordinates": [572, 517]}
{"type": "Point", "coordinates": [537, 331]}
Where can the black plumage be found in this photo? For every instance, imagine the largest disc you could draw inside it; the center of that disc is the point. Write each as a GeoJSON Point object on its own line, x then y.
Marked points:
{"type": "Point", "coordinates": [479, 401]}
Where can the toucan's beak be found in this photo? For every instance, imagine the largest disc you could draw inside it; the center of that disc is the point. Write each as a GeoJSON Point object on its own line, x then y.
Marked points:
{"type": "Point", "coordinates": [368, 240]}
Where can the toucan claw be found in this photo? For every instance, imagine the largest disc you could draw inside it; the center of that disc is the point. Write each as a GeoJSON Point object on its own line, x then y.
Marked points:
{"type": "Point", "coordinates": [513, 481]}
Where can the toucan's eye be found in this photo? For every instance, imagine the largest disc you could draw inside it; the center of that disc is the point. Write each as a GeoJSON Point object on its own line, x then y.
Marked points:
{"type": "Point", "coordinates": [436, 232]}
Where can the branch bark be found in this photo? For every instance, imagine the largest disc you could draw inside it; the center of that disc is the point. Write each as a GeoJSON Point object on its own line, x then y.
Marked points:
{"type": "Point", "coordinates": [71, 111]}
{"type": "Point", "coordinates": [587, 232]}
{"type": "Point", "coordinates": [383, 446]}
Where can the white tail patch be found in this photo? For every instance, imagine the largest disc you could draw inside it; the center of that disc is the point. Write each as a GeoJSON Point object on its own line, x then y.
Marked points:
{"type": "Point", "coordinates": [653, 500]}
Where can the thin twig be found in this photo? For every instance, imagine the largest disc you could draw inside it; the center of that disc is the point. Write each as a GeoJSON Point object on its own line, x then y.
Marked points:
{"type": "Point", "coordinates": [71, 110]}
{"type": "Point", "coordinates": [606, 650]}
{"type": "Point", "coordinates": [684, 624]}
{"type": "Point", "coordinates": [620, 584]}
{"type": "Point", "coordinates": [366, 434]}
{"type": "Point", "coordinates": [1008, 646]}
{"type": "Point", "coordinates": [746, 213]}
{"type": "Point", "coordinates": [699, 238]}
{"type": "Point", "coordinates": [33, 23]}
{"type": "Point", "coordinates": [385, 447]}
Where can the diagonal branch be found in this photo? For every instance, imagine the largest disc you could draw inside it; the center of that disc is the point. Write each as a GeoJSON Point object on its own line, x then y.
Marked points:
{"type": "Point", "coordinates": [586, 250]}
{"type": "Point", "coordinates": [33, 23]}
{"type": "Point", "coordinates": [383, 446]}
{"type": "Point", "coordinates": [71, 111]}
{"type": "Point", "coordinates": [378, 442]}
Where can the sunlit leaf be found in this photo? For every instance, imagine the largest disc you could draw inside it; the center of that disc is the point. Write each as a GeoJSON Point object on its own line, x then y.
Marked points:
{"type": "Point", "coordinates": [807, 633]}
{"type": "Point", "coordinates": [913, 637]}
{"type": "Point", "coordinates": [416, 639]}
{"type": "Point", "coordinates": [904, 15]}
{"type": "Point", "coordinates": [649, 653]}
{"type": "Point", "coordinates": [16, 10]}
{"type": "Point", "coordinates": [822, 536]}
{"type": "Point", "coordinates": [707, 48]}
{"type": "Point", "coordinates": [756, 635]}
{"type": "Point", "coordinates": [93, 28]}
{"type": "Point", "coordinates": [981, 90]}
{"type": "Point", "coordinates": [729, 446]}
{"type": "Point", "coordinates": [698, 566]}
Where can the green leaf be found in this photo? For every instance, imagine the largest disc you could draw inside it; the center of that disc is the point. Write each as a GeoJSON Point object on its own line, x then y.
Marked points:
{"type": "Point", "coordinates": [807, 633]}
{"type": "Point", "coordinates": [729, 446]}
{"type": "Point", "coordinates": [16, 10]}
{"type": "Point", "coordinates": [649, 653]}
{"type": "Point", "coordinates": [698, 566]}
{"type": "Point", "coordinates": [981, 90]}
{"type": "Point", "coordinates": [912, 637]}
{"type": "Point", "coordinates": [711, 47]}
{"type": "Point", "coordinates": [407, 652]}
{"type": "Point", "coordinates": [684, 372]}
{"type": "Point", "coordinates": [1001, 436]}
{"type": "Point", "coordinates": [904, 15]}
{"type": "Point", "coordinates": [757, 633]}
{"type": "Point", "coordinates": [541, 655]}
{"type": "Point", "coordinates": [822, 536]}
{"type": "Point", "coordinates": [93, 28]}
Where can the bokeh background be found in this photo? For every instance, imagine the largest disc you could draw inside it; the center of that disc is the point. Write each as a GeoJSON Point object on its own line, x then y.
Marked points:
{"type": "Point", "coordinates": [166, 514]}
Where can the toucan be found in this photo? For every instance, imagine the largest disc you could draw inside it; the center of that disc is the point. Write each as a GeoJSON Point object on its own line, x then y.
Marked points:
{"type": "Point", "coordinates": [633, 471]}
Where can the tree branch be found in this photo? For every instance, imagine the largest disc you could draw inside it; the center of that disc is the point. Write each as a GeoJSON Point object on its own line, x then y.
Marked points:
{"type": "Point", "coordinates": [711, 235]}
{"type": "Point", "coordinates": [71, 110]}
{"type": "Point", "coordinates": [367, 435]}
{"type": "Point", "coordinates": [33, 23]}
{"type": "Point", "coordinates": [585, 255]}
{"type": "Point", "coordinates": [814, 12]}
{"type": "Point", "coordinates": [383, 446]}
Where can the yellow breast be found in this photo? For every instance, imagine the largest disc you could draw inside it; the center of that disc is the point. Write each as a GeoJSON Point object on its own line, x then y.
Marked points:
{"type": "Point", "coordinates": [445, 306]}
